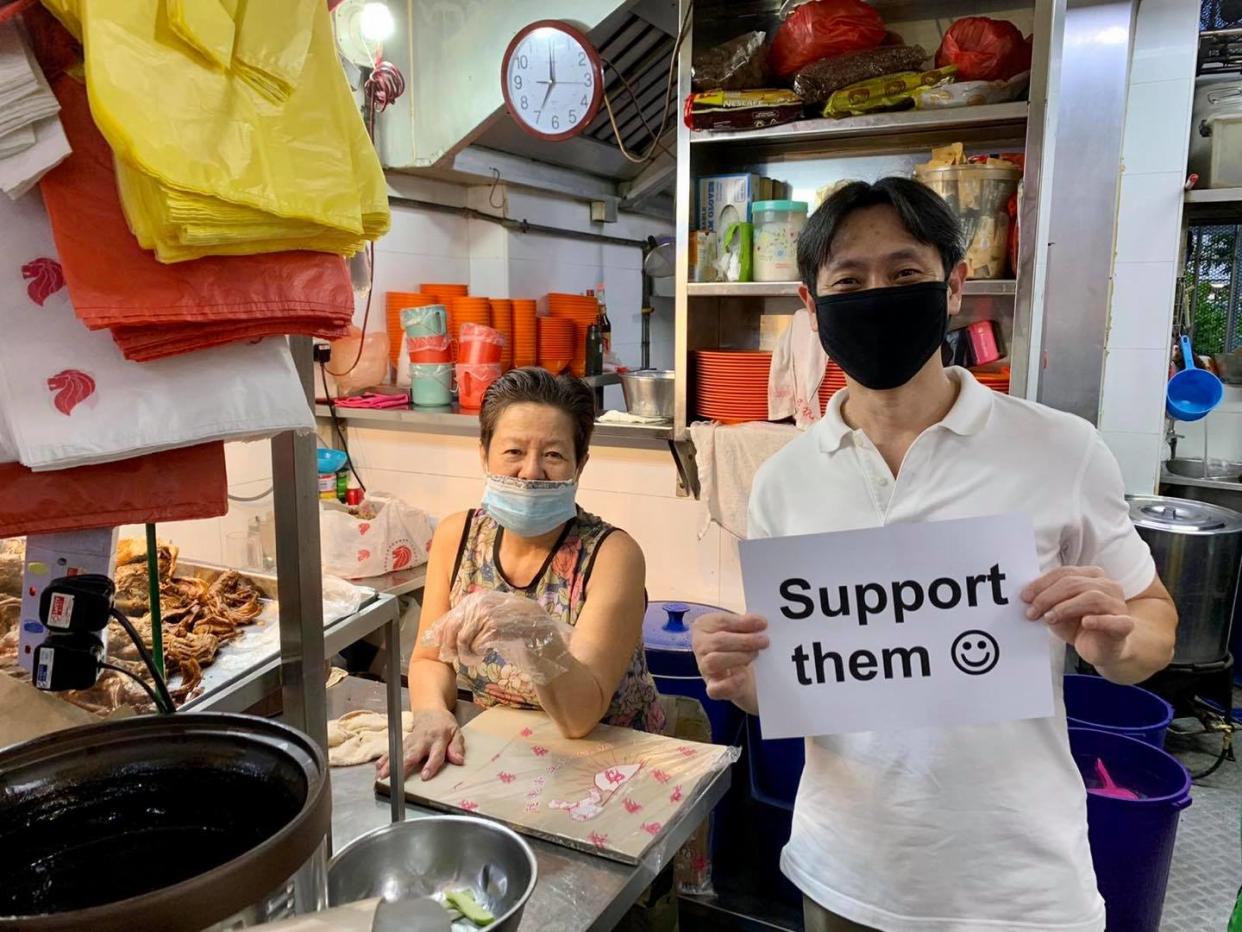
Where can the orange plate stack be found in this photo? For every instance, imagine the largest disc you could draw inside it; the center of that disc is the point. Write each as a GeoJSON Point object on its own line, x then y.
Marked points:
{"type": "Point", "coordinates": [525, 341]}
{"type": "Point", "coordinates": [995, 379]}
{"type": "Point", "coordinates": [556, 343]}
{"type": "Point", "coordinates": [834, 381]}
{"type": "Point", "coordinates": [582, 310]}
{"type": "Point", "coordinates": [442, 292]}
{"type": "Point", "coordinates": [731, 386]}
{"type": "Point", "coordinates": [502, 322]}
{"type": "Point", "coordinates": [395, 302]}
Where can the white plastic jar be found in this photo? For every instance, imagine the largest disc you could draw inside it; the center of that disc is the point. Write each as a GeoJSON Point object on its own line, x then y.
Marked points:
{"type": "Point", "coordinates": [777, 227]}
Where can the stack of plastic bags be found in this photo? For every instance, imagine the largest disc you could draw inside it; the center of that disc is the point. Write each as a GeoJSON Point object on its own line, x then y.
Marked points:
{"type": "Point", "coordinates": [155, 310]}
{"type": "Point", "coordinates": [69, 399]}
{"type": "Point", "coordinates": [234, 128]}
{"type": "Point", "coordinates": [31, 138]}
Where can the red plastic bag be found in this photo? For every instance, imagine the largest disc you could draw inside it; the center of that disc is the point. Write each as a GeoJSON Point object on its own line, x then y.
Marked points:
{"type": "Point", "coordinates": [822, 28]}
{"type": "Point", "coordinates": [173, 485]}
{"type": "Point", "coordinates": [984, 49]}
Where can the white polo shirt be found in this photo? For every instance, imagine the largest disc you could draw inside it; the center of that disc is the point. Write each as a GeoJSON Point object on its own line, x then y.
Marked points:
{"type": "Point", "coordinates": [972, 828]}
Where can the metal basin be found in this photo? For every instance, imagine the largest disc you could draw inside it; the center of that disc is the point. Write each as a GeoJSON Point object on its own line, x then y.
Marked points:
{"type": "Point", "coordinates": [425, 856]}
{"type": "Point", "coordinates": [171, 822]}
{"type": "Point", "coordinates": [1216, 469]}
{"type": "Point", "coordinates": [648, 392]}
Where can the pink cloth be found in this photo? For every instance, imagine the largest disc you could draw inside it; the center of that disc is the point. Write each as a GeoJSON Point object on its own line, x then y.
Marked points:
{"type": "Point", "coordinates": [798, 364]}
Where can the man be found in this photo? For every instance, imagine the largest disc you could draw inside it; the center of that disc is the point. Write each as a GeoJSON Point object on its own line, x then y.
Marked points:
{"type": "Point", "coordinates": [961, 829]}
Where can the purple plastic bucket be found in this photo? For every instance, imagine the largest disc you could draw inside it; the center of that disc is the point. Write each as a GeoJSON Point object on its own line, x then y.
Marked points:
{"type": "Point", "coordinates": [1131, 839]}
{"type": "Point", "coordinates": [1094, 702]}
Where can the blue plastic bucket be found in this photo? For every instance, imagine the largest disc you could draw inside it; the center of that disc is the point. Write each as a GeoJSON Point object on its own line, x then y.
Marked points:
{"type": "Point", "coordinates": [775, 766]}
{"type": "Point", "coordinates": [1131, 839]}
{"type": "Point", "coordinates": [1094, 702]}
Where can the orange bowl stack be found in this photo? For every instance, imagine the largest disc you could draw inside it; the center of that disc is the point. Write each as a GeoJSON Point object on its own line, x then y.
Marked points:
{"type": "Point", "coordinates": [502, 322]}
{"type": "Point", "coordinates": [525, 341]}
{"type": "Point", "coordinates": [442, 292]}
{"type": "Point", "coordinates": [463, 310]}
{"type": "Point", "coordinates": [556, 343]}
{"type": "Point", "coordinates": [582, 311]}
{"type": "Point", "coordinates": [833, 382]}
{"type": "Point", "coordinates": [394, 303]}
{"type": "Point", "coordinates": [732, 385]}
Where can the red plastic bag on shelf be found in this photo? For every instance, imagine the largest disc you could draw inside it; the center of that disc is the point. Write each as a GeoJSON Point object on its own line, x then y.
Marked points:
{"type": "Point", "coordinates": [175, 485]}
{"type": "Point", "coordinates": [822, 28]}
{"type": "Point", "coordinates": [984, 49]}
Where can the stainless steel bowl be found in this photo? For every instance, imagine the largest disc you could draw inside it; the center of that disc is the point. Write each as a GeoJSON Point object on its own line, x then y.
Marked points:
{"type": "Point", "coordinates": [423, 857]}
{"type": "Point", "coordinates": [648, 392]}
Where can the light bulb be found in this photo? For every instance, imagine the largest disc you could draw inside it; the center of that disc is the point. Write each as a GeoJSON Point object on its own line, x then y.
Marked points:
{"type": "Point", "coordinates": [376, 22]}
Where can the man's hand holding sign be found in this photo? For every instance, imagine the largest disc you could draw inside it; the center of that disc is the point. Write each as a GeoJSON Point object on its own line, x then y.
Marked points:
{"type": "Point", "coordinates": [904, 626]}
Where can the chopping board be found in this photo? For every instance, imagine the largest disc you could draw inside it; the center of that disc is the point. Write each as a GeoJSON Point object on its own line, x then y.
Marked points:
{"type": "Point", "coordinates": [612, 793]}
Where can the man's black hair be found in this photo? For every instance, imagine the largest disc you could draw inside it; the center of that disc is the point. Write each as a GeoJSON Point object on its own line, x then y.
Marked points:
{"type": "Point", "coordinates": [923, 213]}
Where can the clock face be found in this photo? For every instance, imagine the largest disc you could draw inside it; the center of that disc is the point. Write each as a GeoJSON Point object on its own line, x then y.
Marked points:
{"type": "Point", "coordinates": [552, 80]}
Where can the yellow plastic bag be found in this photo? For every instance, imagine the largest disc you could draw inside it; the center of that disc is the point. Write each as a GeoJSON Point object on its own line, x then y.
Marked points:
{"type": "Point", "coordinates": [208, 165]}
{"type": "Point", "coordinates": [269, 54]}
{"type": "Point", "coordinates": [204, 25]}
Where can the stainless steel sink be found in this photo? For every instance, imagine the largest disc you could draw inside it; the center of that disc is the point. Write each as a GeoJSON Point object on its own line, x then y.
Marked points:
{"type": "Point", "coordinates": [1183, 478]}
{"type": "Point", "coordinates": [1220, 470]}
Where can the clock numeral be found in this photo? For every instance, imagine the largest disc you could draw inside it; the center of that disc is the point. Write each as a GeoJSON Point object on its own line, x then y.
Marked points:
{"type": "Point", "coordinates": [585, 102]}
{"type": "Point", "coordinates": [573, 116]}
{"type": "Point", "coordinates": [523, 62]}
{"type": "Point", "coordinates": [581, 59]}
{"type": "Point", "coordinates": [523, 102]}
{"type": "Point", "coordinates": [517, 81]}
{"type": "Point", "coordinates": [586, 79]}
{"type": "Point", "coordinates": [556, 122]}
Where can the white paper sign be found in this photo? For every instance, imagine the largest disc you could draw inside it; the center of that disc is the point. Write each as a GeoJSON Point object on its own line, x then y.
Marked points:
{"type": "Point", "coordinates": [898, 627]}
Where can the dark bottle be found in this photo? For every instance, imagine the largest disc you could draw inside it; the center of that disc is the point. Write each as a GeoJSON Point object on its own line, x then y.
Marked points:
{"type": "Point", "coordinates": [594, 351]}
{"type": "Point", "coordinates": [605, 325]}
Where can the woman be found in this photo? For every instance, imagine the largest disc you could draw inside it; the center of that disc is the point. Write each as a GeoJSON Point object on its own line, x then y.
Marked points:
{"type": "Point", "coordinates": [529, 539]}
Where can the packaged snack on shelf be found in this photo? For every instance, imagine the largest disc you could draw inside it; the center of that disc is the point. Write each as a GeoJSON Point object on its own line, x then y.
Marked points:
{"type": "Point", "coordinates": [971, 93]}
{"type": "Point", "coordinates": [984, 49]}
{"type": "Point", "coordinates": [819, 80]}
{"type": "Point", "coordinates": [742, 109]}
{"type": "Point", "coordinates": [979, 193]}
{"type": "Point", "coordinates": [822, 28]}
{"type": "Point", "coordinates": [891, 92]}
{"type": "Point", "coordinates": [737, 65]}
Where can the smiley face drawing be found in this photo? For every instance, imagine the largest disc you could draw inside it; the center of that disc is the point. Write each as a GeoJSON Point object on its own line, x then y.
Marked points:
{"type": "Point", "coordinates": [975, 652]}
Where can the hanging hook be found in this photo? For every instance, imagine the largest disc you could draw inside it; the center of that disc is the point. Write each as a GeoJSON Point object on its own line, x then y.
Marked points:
{"type": "Point", "coordinates": [492, 192]}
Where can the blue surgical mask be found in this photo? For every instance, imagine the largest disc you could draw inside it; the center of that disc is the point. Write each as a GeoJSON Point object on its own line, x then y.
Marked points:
{"type": "Point", "coordinates": [529, 507]}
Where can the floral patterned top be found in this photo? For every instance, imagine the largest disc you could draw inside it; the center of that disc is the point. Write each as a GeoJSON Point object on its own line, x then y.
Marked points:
{"type": "Point", "coordinates": [560, 587]}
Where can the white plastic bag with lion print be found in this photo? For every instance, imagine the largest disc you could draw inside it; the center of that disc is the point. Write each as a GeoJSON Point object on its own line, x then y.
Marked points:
{"type": "Point", "coordinates": [387, 535]}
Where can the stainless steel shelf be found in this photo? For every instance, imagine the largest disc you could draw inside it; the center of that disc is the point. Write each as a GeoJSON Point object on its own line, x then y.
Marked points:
{"type": "Point", "coordinates": [1214, 204]}
{"type": "Point", "coordinates": [263, 678]}
{"type": "Point", "coordinates": [452, 420]}
{"type": "Point", "coordinates": [906, 122]}
{"type": "Point", "coordinates": [790, 289]}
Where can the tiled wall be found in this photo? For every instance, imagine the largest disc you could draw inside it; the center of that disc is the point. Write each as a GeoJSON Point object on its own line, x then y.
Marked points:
{"type": "Point", "coordinates": [1148, 224]}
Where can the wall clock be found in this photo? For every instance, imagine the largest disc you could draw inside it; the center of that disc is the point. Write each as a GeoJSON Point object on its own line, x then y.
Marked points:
{"type": "Point", "coordinates": [553, 80]}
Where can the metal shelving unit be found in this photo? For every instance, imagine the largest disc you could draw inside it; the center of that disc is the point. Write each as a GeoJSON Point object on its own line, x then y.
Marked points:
{"type": "Point", "coordinates": [729, 314]}
{"type": "Point", "coordinates": [1223, 204]}
{"type": "Point", "coordinates": [790, 289]}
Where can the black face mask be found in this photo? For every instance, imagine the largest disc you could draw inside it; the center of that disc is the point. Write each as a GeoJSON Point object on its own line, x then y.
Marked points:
{"type": "Point", "coordinates": [882, 337]}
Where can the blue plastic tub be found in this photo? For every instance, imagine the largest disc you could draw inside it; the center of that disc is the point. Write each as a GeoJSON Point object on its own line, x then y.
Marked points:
{"type": "Point", "coordinates": [1131, 840]}
{"type": "Point", "coordinates": [775, 766]}
{"type": "Point", "coordinates": [1094, 702]}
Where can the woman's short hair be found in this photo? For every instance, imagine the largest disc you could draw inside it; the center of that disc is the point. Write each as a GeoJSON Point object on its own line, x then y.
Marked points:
{"type": "Point", "coordinates": [539, 386]}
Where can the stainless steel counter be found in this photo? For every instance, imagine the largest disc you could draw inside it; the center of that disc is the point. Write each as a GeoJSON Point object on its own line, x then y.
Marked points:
{"type": "Point", "coordinates": [576, 892]}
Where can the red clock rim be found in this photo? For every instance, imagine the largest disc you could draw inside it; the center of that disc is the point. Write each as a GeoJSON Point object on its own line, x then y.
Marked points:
{"type": "Point", "coordinates": [592, 55]}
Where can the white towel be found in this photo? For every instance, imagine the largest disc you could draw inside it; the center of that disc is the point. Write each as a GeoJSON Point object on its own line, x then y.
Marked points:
{"type": "Point", "coordinates": [19, 173]}
{"type": "Point", "coordinates": [727, 459]}
{"type": "Point", "coordinates": [798, 364]}
{"type": "Point", "coordinates": [18, 140]}
{"type": "Point", "coordinates": [70, 398]}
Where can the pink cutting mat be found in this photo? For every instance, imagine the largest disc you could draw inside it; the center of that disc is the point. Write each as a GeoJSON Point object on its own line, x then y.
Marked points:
{"type": "Point", "coordinates": [611, 793]}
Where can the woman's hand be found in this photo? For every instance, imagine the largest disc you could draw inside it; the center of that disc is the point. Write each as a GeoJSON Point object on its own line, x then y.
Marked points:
{"type": "Point", "coordinates": [514, 625]}
{"type": "Point", "coordinates": [725, 646]}
{"type": "Point", "coordinates": [435, 738]}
